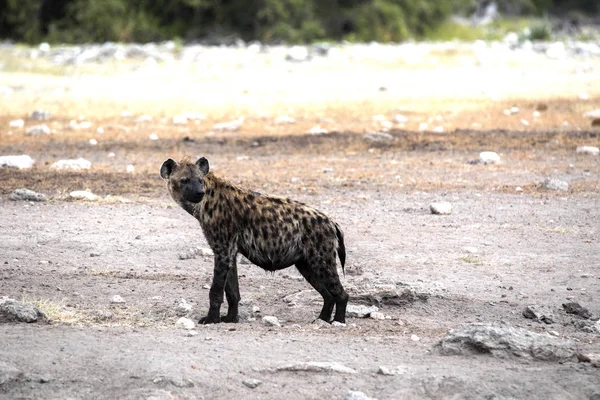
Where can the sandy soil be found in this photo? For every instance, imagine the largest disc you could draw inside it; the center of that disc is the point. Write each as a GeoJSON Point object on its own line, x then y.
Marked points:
{"type": "Point", "coordinates": [500, 250]}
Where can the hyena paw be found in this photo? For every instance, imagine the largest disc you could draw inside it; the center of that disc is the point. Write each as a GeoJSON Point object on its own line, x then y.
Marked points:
{"type": "Point", "coordinates": [209, 320]}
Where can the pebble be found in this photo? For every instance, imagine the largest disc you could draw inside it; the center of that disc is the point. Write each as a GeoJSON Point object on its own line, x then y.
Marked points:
{"type": "Point", "coordinates": [185, 323]}
{"type": "Point", "coordinates": [441, 208]}
{"type": "Point", "coordinates": [539, 313]}
{"type": "Point", "coordinates": [470, 249]}
{"type": "Point", "coordinates": [182, 308]}
{"type": "Point", "coordinates": [83, 195]}
{"type": "Point", "coordinates": [26, 195]}
{"type": "Point", "coordinates": [192, 333]}
{"type": "Point", "coordinates": [93, 142]}
{"type": "Point", "coordinates": [20, 162]}
{"type": "Point", "coordinates": [400, 119]}
{"type": "Point", "coordinates": [438, 129]}
{"type": "Point", "coordinates": [414, 338]}
{"type": "Point", "coordinates": [588, 150]}
{"type": "Point", "coordinates": [489, 157]}
{"type": "Point", "coordinates": [230, 126]}
{"type": "Point", "coordinates": [360, 311]}
{"type": "Point", "coordinates": [179, 120]}
{"type": "Point", "coordinates": [377, 315]}
{"type": "Point", "coordinates": [555, 184]}
{"type": "Point", "coordinates": [153, 136]}
{"type": "Point", "coordinates": [116, 299]}
{"type": "Point", "coordinates": [593, 114]}
{"type": "Point", "coordinates": [76, 165]}
{"type": "Point", "coordinates": [252, 383]}
{"type": "Point", "coordinates": [17, 123]}
{"type": "Point", "coordinates": [577, 309]}
{"type": "Point", "coordinates": [356, 395]}
{"type": "Point", "coordinates": [130, 169]}
{"type": "Point", "coordinates": [271, 321]}
{"type": "Point", "coordinates": [317, 130]}
{"type": "Point", "coordinates": [38, 130]}
{"type": "Point", "coordinates": [284, 119]}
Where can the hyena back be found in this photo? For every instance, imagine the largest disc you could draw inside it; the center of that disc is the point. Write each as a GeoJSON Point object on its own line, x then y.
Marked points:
{"type": "Point", "coordinates": [273, 233]}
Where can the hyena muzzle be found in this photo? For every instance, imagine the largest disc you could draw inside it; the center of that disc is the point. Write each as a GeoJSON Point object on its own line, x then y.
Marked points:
{"type": "Point", "coordinates": [273, 233]}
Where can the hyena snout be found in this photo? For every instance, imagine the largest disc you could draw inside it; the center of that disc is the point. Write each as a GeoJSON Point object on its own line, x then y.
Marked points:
{"type": "Point", "coordinates": [193, 191]}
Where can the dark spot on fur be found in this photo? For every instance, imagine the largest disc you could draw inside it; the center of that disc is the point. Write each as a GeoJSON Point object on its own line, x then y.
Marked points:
{"type": "Point", "coordinates": [276, 200]}
{"type": "Point", "coordinates": [265, 232]}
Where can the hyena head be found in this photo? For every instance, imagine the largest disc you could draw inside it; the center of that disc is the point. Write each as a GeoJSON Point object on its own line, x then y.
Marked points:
{"type": "Point", "coordinates": [185, 179]}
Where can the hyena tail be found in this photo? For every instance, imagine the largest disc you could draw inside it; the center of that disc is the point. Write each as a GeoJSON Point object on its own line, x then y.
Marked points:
{"type": "Point", "coordinates": [341, 249]}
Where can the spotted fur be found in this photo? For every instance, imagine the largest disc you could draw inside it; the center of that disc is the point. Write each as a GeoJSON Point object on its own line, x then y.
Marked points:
{"type": "Point", "coordinates": [272, 232]}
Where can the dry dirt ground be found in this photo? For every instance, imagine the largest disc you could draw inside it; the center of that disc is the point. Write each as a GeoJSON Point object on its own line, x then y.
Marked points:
{"type": "Point", "coordinates": [500, 250]}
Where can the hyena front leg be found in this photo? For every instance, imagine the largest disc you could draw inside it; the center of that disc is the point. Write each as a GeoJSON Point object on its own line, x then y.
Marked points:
{"type": "Point", "coordinates": [224, 261]}
{"type": "Point", "coordinates": [232, 293]}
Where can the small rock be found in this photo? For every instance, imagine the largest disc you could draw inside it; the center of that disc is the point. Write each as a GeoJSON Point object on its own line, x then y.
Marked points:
{"type": "Point", "coordinates": [438, 129]}
{"type": "Point", "coordinates": [423, 126]}
{"type": "Point", "coordinates": [179, 120]}
{"type": "Point", "coordinates": [192, 333]}
{"type": "Point", "coordinates": [40, 115]}
{"type": "Point", "coordinates": [400, 119]}
{"type": "Point", "coordinates": [596, 123]}
{"type": "Point", "coordinates": [271, 321]}
{"type": "Point", "coordinates": [355, 395]}
{"type": "Point", "coordinates": [316, 366]}
{"type": "Point", "coordinates": [255, 309]}
{"type": "Point", "coordinates": [183, 308]}
{"type": "Point", "coordinates": [539, 313]}
{"type": "Point", "coordinates": [414, 338]}
{"type": "Point", "coordinates": [95, 254]}
{"type": "Point", "coordinates": [130, 169]}
{"type": "Point", "coordinates": [19, 162]}
{"type": "Point", "coordinates": [143, 118]}
{"type": "Point", "coordinates": [317, 130]}
{"type": "Point", "coordinates": [284, 119]}
{"type": "Point", "coordinates": [195, 252]}
{"type": "Point", "coordinates": [377, 315]}
{"type": "Point", "coordinates": [83, 195]}
{"type": "Point", "coordinates": [116, 299]}
{"type": "Point", "coordinates": [588, 150]}
{"type": "Point", "coordinates": [386, 371]}
{"type": "Point", "coordinates": [153, 136]}
{"type": "Point", "coordinates": [26, 195]}
{"type": "Point", "coordinates": [75, 165]}
{"type": "Point", "coordinates": [17, 123]}
{"type": "Point", "coordinates": [378, 137]}
{"type": "Point", "coordinates": [470, 249]}
{"type": "Point", "coordinates": [441, 208]}
{"type": "Point", "coordinates": [230, 126]}
{"type": "Point", "coordinates": [360, 311]}
{"type": "Point", "coordinates": [38, 130]}
{"type": "Point", "coordinates": [12, 310]}
{"type": "Point", "coordinates": [505, 342]}
{"type": "Point", "coordinates": [489, 157]}
{"type": "Point", "coordinates": [93, 142]}
{"type": "Point", "coordinates": [541, 107]}
{"type": "Point", "coordinates": [555, 184]}
{"type": "Point", "coordinates": [252, 383]}
{"type": "Point", "coordinates": [577, 309]}
{"type": "Point", "coordinates": [297, 54]}
{"type": "Point", "coordinates": [185, 323]}
{"type": "Point", "coordinates": [593, 114]}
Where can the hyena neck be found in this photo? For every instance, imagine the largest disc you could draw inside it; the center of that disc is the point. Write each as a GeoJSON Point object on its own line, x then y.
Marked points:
{"type": "Point", "coordinates": [189, 207]}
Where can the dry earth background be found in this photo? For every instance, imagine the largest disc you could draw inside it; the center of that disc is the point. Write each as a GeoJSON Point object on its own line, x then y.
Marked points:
{"type": "Point", "coordinates": [403, 126]}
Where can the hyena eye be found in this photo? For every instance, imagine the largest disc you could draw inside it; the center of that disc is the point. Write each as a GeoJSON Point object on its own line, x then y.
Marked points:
{"type": "Point", "coordinates": [184, 181]}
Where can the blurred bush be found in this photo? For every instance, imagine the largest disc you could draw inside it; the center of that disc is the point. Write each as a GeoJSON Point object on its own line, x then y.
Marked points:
{"type": "Point", "coordinates": [293, 21]}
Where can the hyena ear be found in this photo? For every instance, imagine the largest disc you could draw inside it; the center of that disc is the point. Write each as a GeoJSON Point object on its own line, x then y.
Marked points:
{"type": "Point", "coordinates": [167, 168]}
{"type": "Point", "coordinates": [202, 163]}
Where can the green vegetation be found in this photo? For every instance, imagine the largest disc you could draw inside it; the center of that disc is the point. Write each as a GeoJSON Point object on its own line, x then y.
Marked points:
{"type": "Point", "coordinates": [293, 21]}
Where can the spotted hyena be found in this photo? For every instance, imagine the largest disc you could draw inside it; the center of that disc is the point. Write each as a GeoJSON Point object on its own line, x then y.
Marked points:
{"type": "Point", "coordinates": [274, 233]}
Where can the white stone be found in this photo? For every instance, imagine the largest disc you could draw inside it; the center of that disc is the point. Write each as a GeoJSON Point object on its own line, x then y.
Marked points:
{"type": "Point", "coordinates": [593, 114]}
{"type": "Point", "coordinates": [355, 395]}
{"type": "Point", "coordinates": [438, 129]}
{"type": "Point", "coordinates": [317, 130]}
{"type": "Point", "coordinates": [377, 315]}
{"type": "Point", "coordinates": [271, 321]}
{"type": "Point", "coordinates": [192, 333]}
{"type": "Point", "coordinates": [230, 126]}
{"type": "Point", "coordinates": [185, 323]}
{"type": "Point", "coordinates": [126, 114]}
{"type": "Point", "coordinates": [470, 249]}
{"type": "Point", "coordinates": [555, 184]}
{"type": "Point", "coordinates": [255, 309]}
{"type": "Point", "coordinates": [116, 299]}
{"type": "Point", "coordinates": [130, 169]}
{"type": "Point", "coordinates": [83, 195]}
{"type": "Point", "coordinates": [423, 126]}
{"type": "Point", "coordinates": [100, 130]}
{"type": "Point", "coordinates": [400, 119]}
{"type": "Point", "coordinates": [17, 123]}
{"type": "Point", "coordinates": [588, 150]}
{"type": "Point", "coordinates": [77, 164]}
{"type": "Point", "coordinates": [297, 54]}
{"type": "Point", "coordinates": [252, 383]}
{"type": "Point", "coordinates": [440, 208]}
{"type": "Point", "coordinates": [285, 119]}
{"type": "Point", "coordinates": [183, 308]}
{"type": "Point", "coordinates": [414, 338]}
{"type": "Point", "coordinates": [144, 118]}
{"type": "Point", "coordinates": [524, 122]}
{"type": "Point", "coordinates": [153, 136]}
{"type": "Point", "coordinates": [93, 142]}
{"type": "Point", "coordinates": [21, 162]}
{"type": "Point", "coordinates": [489, 157]}
{"type": "Point", "coordinates": [360, 311]}
{"type": "Point", "coordinates": [179, 120]}
{"type": "Point", "coordinates": [38, 130]}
